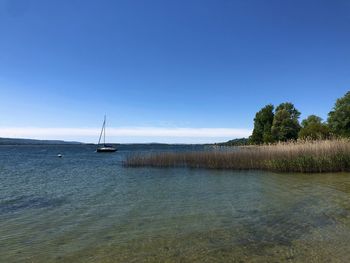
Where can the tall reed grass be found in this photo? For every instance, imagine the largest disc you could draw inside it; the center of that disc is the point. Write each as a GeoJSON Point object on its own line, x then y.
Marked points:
{"type": "Point", "coordinates": [300, 156]}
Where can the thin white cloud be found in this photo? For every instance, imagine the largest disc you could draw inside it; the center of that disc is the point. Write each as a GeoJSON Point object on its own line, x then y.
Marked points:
{"type": "Point", "coordinates": [124, 133]}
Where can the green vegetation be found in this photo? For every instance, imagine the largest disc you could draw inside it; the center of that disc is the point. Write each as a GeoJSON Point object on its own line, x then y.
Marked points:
{"type": "Point", "coordinates": [313, 128]}
{"type": "Point", "coordinates": [262, 125]}
{"type": "Point", "coordinates": [339, 117]}
{"type": "Point", "coordinates": [234, 142]}
{"type": "Point", "coordinates": [283, 124]}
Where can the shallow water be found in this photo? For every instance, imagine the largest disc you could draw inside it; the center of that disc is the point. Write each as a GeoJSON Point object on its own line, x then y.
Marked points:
{"type": "Point", "coordinates": [86, 207]}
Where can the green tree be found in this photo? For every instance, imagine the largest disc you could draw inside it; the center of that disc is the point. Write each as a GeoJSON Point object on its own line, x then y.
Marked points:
{"type": "Point", "coordinates": [262, 125]}
{"type": "Point", "coordinates": [285, 124]}
{"type": "Point", "coordinates": [339, 117]}
{"type": "Point", "coordinates": [313, 128]}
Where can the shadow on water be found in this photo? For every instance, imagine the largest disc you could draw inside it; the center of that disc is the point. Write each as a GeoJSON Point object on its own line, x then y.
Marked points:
{"type": "Point", "coordinates": [29, 202]}
{"type": "Point", "coordinates": [282, 228]}
{"type": "Point", "coordinates": [253, 235]}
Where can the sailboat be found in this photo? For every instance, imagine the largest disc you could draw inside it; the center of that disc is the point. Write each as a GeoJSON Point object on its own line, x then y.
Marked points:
{"type": "Point", "coordinates": [104, 147]}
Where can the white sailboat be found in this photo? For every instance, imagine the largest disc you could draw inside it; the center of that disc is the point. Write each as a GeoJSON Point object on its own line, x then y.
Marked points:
{"type": "Point", "coordinates": [104, 147]}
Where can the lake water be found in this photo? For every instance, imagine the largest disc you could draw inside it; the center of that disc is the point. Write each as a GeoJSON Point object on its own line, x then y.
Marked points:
{"type": "Point", "coordinates": [87, 207]}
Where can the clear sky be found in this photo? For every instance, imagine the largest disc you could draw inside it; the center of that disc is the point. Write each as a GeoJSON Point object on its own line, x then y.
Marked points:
{"type": "Point", "coordinates": [166, 71]}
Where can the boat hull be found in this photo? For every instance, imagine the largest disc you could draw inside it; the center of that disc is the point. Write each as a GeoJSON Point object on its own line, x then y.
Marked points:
{"type": "Point", "coordinates": [106, 149]}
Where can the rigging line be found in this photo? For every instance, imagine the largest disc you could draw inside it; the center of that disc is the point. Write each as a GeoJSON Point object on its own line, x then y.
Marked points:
{"type": "Point", "coordinates": [103, 125]}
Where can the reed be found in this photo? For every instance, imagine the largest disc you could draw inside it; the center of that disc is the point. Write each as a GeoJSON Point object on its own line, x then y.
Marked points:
{"type": "Point", "coordinates": [299, 156]}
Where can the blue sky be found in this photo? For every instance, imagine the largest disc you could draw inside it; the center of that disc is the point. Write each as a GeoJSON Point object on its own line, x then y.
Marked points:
{"type": "Point", "coordinates": [166, 71]}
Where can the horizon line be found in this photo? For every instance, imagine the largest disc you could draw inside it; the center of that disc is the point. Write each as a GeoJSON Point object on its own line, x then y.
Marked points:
{"type": "Point", "coordinates": [125, 134]}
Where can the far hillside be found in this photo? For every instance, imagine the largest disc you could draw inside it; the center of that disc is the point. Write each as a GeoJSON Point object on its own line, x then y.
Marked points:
{"type": "Point", "coordinates": [16, 141]}
{"type": "Point", "coordinates": [234, 142]}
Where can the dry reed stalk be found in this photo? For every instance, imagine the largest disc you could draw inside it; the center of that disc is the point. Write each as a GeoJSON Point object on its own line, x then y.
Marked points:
{"type": "Point", "coordinates": [299, 156]}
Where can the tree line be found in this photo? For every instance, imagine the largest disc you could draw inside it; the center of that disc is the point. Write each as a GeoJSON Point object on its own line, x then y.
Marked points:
{"type": "Point", "coordinates": [282, 123]}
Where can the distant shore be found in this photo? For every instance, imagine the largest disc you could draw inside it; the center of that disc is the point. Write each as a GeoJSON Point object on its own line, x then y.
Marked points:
{"type": "Point", "coordinates": [301, 156]}
{"type": "Point", "coordinates": [21, 141]}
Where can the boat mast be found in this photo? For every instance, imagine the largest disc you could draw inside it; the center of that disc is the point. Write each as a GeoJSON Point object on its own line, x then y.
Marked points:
{"type": "Point", "coordinates": [102, 130]}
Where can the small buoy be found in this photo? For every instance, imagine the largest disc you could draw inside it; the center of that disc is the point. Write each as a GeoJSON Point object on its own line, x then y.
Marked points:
{"type": "Point", "coordinates": [59, 155]}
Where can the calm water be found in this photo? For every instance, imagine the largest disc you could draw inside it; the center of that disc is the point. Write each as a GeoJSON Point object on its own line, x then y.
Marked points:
{"type": "Point", "coordinates": [85, 207]}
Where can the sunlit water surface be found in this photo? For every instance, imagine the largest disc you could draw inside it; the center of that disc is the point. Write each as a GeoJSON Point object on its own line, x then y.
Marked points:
{"type": "Point", "coordinates": [86, 207]}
